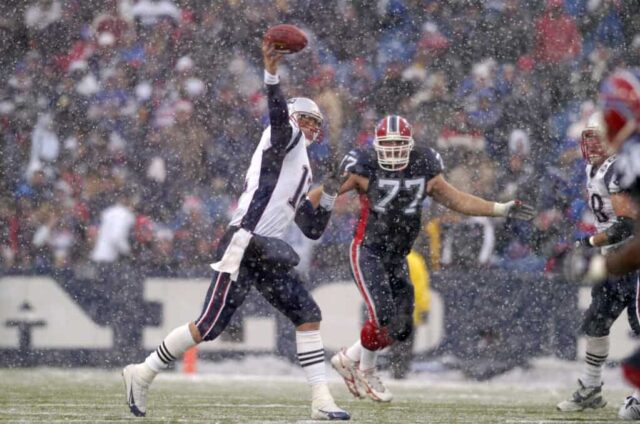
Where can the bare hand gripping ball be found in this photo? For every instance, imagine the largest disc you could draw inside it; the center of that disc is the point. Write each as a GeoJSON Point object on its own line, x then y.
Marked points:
{"type": "Point", "coordinates": [286, 38]}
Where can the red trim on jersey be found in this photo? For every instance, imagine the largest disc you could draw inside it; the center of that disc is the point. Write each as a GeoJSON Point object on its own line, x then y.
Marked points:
{"type": "Point", "coordinates": [355, 264]}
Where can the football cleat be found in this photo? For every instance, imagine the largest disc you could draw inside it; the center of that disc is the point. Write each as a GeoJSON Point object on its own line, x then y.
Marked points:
{"type": "Point", "coordinates": [323, 407]}
{"type": "Point", "coordinates": [347, 370]}
{"type": "Point", "coordinates": [135, 390]}
{"type": "Point", "coordinates": [373, 386]}
{"type": "Point", "coordinates": [630, 409]}
{"type": "Point", "coordinates": [583, 398]}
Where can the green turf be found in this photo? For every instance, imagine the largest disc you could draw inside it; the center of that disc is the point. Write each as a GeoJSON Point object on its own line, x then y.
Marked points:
{"type": "Point", "coordinates": [90, 396]}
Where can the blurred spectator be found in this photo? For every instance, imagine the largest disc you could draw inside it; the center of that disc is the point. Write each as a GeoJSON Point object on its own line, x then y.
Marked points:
{"type": "Point", "coordinates": [457, 137]}
{"type": "Point", "coordinates": [114, 231]}
{"type": "Point", "coordinates": [109, 20]}
{"type": "Point", "coordinates": [186, 142]}
{"type": "Point", "coordinates": [151, 12]}
{"type": "Point", "coordinates": [45, 147]}
{"type": "Point", "coordinates": [165, 94]}
{"type": "Point", "coordinates": [42, 13]}
{"type": "Point", "coordinates": [513, 179]}
{"type": "Point", "coordinates": [193, 235]}
{"type": "Point", "coordinates": [509, 27]}
{"type": "Point", "coordinates": [558, 44]}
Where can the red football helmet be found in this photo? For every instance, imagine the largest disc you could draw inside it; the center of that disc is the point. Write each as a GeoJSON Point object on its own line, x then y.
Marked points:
{"type": "Point", "coordinates": [393, 142]}
{"type": "Point", "coordinates": [620, 98]}
{"type": "Point", "coordinates": [593, 150]}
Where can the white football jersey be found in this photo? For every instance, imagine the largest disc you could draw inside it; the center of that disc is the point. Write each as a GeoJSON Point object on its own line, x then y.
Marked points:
{"type": "Point", "coordinates": [601, 184]}
{"type": "Point", "coordinates": [274, 187]}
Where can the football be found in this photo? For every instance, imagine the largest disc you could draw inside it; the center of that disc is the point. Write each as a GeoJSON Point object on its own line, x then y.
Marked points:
{"type": "Point", "coordinates": [286, 38]}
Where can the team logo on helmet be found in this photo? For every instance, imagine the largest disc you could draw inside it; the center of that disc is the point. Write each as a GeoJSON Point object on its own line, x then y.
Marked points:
{"type": "Point", "coordinates": [393, 142]}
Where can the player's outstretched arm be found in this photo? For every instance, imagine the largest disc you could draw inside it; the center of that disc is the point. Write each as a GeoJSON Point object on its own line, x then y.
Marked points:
{"type": "Point", "coordinates": [312, 216]}
{"type": "Point", "coordinates": [468, 204]}
{"type": "Point", "coordinates": [278, 114]}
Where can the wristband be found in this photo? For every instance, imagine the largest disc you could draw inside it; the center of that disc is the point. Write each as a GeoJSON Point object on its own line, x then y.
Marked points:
{"type": "Point", "coordinates": [327, 201]}
{"type": "Point", "coordinates": [271, 79]}
{"type": "Point", "coordinates": [500, 209]}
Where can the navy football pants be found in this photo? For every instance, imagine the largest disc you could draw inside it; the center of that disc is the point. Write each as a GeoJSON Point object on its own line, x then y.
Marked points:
{"type": "Point", "coordinates": [383, 281]}
{"type": "Point", "coordinates": [280, 286]}
{"type": "Point", "coordinates": [608, 300]}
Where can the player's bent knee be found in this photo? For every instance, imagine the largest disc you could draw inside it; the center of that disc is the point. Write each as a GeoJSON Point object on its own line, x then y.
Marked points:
{"type": "Point", "coordinates": [596, 328]}
{"type": "Point", "coordinates": [373, 337]}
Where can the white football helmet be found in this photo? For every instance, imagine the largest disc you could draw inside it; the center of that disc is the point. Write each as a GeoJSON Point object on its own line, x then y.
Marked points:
{"type": "Point", "coordinates": [594, 151]}
{"type": "Point", "coordinates": [393, 142]}
{"type": "Point", "coordinates": [304, 107]}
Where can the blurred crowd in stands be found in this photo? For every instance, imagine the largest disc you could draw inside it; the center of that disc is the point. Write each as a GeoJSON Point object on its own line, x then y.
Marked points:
{"type": "Point", "coordinates": [127, 125]}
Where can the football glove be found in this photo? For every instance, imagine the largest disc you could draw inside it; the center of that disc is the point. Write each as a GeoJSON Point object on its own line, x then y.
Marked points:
{"type": "Point", "coordinates": [581, 265]}
{"type": "Point", "coordinates": [331, 185]}
{"type": "Point", "coordinates": [515, 209]}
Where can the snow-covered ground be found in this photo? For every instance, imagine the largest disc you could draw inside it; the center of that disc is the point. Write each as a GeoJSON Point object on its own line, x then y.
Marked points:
{"type": "Point", "coordinates": [546, 372]}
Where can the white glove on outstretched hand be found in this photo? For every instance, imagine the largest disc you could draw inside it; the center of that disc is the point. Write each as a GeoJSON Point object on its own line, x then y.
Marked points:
{"type": "Point", "coordinates": [582, 266]}
{"type": "Point", "coordinates": [514, 209]}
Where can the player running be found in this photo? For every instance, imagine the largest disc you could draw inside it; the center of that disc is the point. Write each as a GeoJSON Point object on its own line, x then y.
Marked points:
{"type": "Point", "coordinates": [614, 215]}
{"type": "Point", "coordinates": [620, 101]}
{"type": "Point", "coordinates": [252, 252]}
{"type": "Point", "coordinates": [394, 178]}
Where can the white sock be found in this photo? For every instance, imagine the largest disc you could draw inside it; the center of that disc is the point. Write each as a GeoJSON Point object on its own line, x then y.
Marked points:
{"type": "Point", "coordinates": [368, 359]}
{"type": "Point", "coordinates": [171, 348]}
{"type": "Point", "coordinates": [354, 351]}
{"type": "Point", "coordinates": [597, 352]}
{"type": "Point", "coordinates": [311, 356]}
{"type": "Point", "coordinates": [320, 392]}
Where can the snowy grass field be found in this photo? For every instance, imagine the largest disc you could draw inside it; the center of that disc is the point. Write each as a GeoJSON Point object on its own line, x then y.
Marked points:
{"type": "Point", "coordinates": [268, 390]}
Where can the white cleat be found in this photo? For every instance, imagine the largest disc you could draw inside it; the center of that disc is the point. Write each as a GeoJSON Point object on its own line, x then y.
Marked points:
{"type": "Point", "coordinates": [373, 386]}
{"type": "Point", "coordinates": [135, 390]}
{"type": "Point", "coordinates": [347, 370]}
{"type": "Point", "coordinates": [586, 397]}
{"type": "Point", "coordinates": [630, 409]}
{"type": "Point", "coordinates": [323, 407]}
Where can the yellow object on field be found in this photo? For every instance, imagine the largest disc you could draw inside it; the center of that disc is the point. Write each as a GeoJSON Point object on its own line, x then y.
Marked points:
{"type": "Point", "coordinates": [420, 278]}
{"type": "Point", "coordinates": [433, 231]}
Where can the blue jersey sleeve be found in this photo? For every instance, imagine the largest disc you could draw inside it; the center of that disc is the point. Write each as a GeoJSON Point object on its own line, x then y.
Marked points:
{"type": "Point", "coordinates": [281, 128]}
{"type": "Point", "coordinates": [359, 162]}
{"type": "Point", "coordinates": [433, 163]}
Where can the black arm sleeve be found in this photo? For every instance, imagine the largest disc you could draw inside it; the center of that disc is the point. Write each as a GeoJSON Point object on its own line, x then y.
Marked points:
{"type": "Point", "coordinates": [278, 117]}
{"type": "Point", "coordinates": [620, 230]}
{"type": "Point", "coordinates": [312, 222]}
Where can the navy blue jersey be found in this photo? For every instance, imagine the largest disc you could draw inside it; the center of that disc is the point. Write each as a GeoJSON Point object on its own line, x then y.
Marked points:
{"type": "Point", "coordinates": [628, 167]}
{"type": "Point", "coordinates": [391, 209]}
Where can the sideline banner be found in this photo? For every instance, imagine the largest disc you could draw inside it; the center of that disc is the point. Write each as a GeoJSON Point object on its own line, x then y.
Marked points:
{"type": "Point", "coordinates": [64, 322]}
